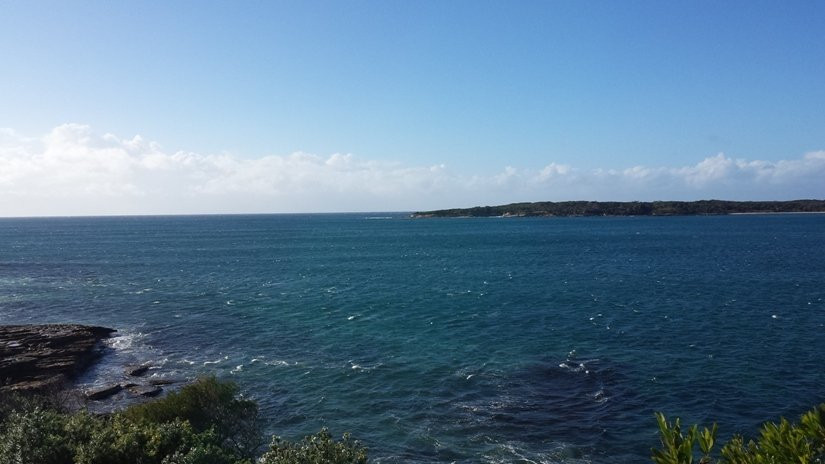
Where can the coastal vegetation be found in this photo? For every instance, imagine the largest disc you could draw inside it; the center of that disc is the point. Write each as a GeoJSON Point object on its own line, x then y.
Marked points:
{"type": "Point", "coordinates": [205, 422]}
{"type": "Point", "coordinates": [782, 443]}
{"type": "Point", "coordinates": [630, 208]}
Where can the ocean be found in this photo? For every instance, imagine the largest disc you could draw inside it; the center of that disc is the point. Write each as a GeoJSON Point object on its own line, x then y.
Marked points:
{"type": "Point", "coordinates": [547, 340]}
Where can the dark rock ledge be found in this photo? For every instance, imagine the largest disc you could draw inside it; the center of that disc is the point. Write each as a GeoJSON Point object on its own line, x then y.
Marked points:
{"type": "Point", "coordinates": [46, 357]}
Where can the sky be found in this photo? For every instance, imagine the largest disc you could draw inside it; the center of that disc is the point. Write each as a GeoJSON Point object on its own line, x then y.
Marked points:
{"type": "Point", "coordinates": [176, 107]}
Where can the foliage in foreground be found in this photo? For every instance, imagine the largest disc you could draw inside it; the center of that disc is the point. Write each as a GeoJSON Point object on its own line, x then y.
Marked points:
{"type": "Point", "coordinates": [41, 436]}
{"type": "Point", "coordinates": [206, 423]}
{"type": "Point", "coordinates": [203, 423]}
{"type": "Point", "coordinates": [315, 449]}
{"type": "Point", "coordinates": [207, 404]}
{"type": "Point", "coordinates": [782, 443]}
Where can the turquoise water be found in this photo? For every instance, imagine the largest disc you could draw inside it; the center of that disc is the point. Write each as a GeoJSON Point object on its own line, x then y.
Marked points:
{"type": "Point", "coordinates": [455, 340]}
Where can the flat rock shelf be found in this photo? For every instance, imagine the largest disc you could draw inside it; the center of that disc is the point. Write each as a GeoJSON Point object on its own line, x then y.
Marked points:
{"type": "Point", "coordinates": [43, 357]}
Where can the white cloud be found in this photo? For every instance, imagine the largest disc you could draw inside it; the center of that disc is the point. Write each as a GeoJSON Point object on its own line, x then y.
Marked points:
{"type": "Point", "coordinates": [73, 170]}
{"type": "Point", "coordinates": [709, 170]}
{"type": "Point", "coordinates": [553, 171]}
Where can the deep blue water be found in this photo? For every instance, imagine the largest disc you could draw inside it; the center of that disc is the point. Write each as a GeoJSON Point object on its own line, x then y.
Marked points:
{"type": "Point", "coordinates": [452, 340]}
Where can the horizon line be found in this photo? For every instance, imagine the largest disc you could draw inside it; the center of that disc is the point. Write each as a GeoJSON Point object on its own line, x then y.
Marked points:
{"type": "Point", "coordinates": [150, 215]}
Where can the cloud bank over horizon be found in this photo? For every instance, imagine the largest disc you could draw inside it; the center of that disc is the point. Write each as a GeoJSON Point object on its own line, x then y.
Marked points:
{"type": "Point", "coordinates": [73, 170]}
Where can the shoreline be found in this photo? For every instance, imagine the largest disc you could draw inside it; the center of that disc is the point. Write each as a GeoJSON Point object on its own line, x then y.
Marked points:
{"type": "Point", "coordinates": [42, 357]}
{"type": "Point", "coordinates": [515, 216]}
{"type": "Point", "coordinates": [775, 212]}
{"type": "Point", "coordinates": [629, 208]}
{"type": "Point", "coordinates": [51, 358]}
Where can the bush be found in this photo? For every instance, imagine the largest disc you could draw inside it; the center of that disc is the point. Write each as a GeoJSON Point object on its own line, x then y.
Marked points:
{"type": "Point", "coordinates": [117, 440]}
{"type": "Point", "coordinates": [316, 449]}
{"type": "Point", "coordinates": [207, 404]}
{"type": "Point", "coordinates": [777, 443]}
{"type": "Point", "coordinates": [203, 423]}
{"type": "Point", "coordinates": [51, 399]}
{"type": "Point", "coordinates": [34, 437]}
{"type": "Point", "coordinates": [48, 437]}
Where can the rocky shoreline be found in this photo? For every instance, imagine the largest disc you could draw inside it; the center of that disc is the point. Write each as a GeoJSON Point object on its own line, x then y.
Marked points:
{"type": "Point", "coordinates": [47, 358]}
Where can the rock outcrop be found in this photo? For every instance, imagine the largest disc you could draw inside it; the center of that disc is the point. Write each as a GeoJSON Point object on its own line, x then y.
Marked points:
{"type": "Point", "coordinates": [104, 392]}
{"type": "Point", "coordinates": [146, 391]}
{"type": "Point", "coordinates": [137, 371]}
{"type": "Point", "coordinates": [42, 357]}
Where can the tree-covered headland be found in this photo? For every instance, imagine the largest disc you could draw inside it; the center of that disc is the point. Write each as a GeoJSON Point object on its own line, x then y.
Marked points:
{"type": "Point", "coordinates": [630, 208]}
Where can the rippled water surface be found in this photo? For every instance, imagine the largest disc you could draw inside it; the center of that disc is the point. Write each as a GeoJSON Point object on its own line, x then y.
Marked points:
{"type": "Point", "coordinates": [455, 340]}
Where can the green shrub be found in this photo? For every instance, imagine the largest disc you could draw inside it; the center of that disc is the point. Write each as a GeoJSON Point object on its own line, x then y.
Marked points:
{"type": "Point", "coordinates": [47, 437]}
{"type": "Point", "coordinates": [678, 447]}
{"type": "Point", "coordinates": [782, 443]}
{"type": "Point", "coordinates": [118, 440]}
{"type": "Point", "coordinates": [34, 437]}
{"type": "Point", "coordinates": [203, 423]}
{"type": "Point", "coordinates": [50, 399]}
{"type": "Point", "coordinates": [207, 404]}
{"type": "Point", "coordinates": [316, 449]}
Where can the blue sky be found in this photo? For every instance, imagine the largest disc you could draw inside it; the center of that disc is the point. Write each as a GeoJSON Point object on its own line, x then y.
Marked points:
{"type": "Point", "coordinates": [485, 95]}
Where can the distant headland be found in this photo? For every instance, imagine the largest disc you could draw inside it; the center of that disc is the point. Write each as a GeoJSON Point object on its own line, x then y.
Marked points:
{"type": "Point", "coordinates": [630, 208]}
